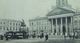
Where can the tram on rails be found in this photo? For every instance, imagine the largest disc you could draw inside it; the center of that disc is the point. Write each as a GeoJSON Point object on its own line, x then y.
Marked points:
{"type": "Point", "coordinates": [16, 35]}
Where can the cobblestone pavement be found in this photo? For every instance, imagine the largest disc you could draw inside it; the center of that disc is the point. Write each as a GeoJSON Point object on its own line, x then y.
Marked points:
{"type": "Point", "coordinates": [42, 41]}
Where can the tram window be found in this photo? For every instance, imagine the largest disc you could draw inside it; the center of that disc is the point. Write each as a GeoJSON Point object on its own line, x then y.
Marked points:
{"type": "Point", "coordinates": [9, 33]}
{"type": "Point", "coordinates": [19, 34]}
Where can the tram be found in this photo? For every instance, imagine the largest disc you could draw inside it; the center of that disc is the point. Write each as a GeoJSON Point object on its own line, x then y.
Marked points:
{"type": "Point", "coordinates": [16, 35]}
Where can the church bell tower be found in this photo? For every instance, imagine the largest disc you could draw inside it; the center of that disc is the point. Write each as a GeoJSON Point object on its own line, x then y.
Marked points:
{"type": "Point", "coordinates": [62, 3]}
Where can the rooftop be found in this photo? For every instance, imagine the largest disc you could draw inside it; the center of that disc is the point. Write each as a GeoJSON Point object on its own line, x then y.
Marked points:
{"type": "Point", "coordinates": [10, 20]}
{"type": "Point", "coordinates": [58, 11]}
{"type": "Point", "coordinates": [39, 18]}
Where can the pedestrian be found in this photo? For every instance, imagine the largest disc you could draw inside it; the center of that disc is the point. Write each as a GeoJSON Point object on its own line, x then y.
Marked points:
{"type": "Point", "coordinates": [6, 37]}
{"type": "Point", "coordinates": [46, 37]}
{"type": "Point", "coordinates": [1, 37]}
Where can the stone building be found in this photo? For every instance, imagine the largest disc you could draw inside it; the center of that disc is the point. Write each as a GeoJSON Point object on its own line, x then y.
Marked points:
{"type": "Point", "coordinates": [76, 22]}
{"type": "Point", "coordinates": [40, 24]}
{"type": "Point", "coordinates": [62, 18]}
{"type": "Point", "coordinates": [9, 25]}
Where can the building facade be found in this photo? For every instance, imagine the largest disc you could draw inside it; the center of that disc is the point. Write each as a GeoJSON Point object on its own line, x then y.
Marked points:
{"type": "Point", "coordinates": [62, 20]}
{"type": "Point", "coordinates": [40, 24]}
{"type": "Point", "coordinates": [9, 25]}
{"type": "Point", "coordinates": [76, 22]}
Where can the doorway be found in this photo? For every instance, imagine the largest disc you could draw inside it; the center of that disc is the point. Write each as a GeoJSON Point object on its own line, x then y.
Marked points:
{"type": "Point", "coordinates": [64, 30]}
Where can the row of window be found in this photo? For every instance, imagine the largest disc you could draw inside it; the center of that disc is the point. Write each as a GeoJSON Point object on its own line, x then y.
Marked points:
{"type": "Point", "coordinates": [14, 23]}
{"type": "Point", "coordinates": [43, 28]}
{"type": "Point", "coordinates": [11, 28]}
{"type": "Point", "coordinates": [10, 23]}
{"type": "Point", "coordinates": [45, 23]}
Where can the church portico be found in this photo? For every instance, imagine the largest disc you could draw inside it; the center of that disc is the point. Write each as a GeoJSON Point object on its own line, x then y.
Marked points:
{"type": "Point", "coordinates": [60, 24]}
{"type": "Point", "coordinates": [61, 18]}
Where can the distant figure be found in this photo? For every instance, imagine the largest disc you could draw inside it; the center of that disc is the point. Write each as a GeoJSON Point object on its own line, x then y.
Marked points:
{"type": "Point", "coordinates": [6, 37]}
{"type": "Point", "coordinates": [1, 37]}
{"type": "Point", "coordinates": [27, 36]}
{"type": "Point", "coordinates": [42, 35]}
{"type": "Point", "coordinates": [34, 35]}
{"type": "Point", "coordinates": [46, 37]}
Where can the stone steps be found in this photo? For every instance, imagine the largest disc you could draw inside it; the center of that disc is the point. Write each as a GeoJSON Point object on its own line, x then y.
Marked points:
{"type": "Point", "coordinates": [56, 36]}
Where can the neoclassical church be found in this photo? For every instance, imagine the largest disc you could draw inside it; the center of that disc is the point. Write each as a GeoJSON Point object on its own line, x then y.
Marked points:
{"type": "Point", "coordinates": [62, 19]}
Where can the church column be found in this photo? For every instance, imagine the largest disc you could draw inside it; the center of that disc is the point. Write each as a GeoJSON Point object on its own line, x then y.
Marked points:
{"type": "Point", "coordinates": [52, 25]}
{"type": "Point", "coordinates": [61, 27]}
{"type": "Point", "coordinates": [66, 27]}
{"type": "Point", "coordinates": [71, 25]}
{"type": "Point", "coordinates": [56, 27]}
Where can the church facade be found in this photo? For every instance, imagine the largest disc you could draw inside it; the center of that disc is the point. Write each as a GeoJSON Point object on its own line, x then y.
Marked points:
{"type": "Point", "coordinates": [63, 19]}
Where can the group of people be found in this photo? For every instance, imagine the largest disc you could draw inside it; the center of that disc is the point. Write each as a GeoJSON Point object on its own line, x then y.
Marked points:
{"type": "Point", "coordinates": [42, 35]}
{"type": "Point", "coordinates": [33, 36]}
{"type": "Point", "coordinates": [2, 37]}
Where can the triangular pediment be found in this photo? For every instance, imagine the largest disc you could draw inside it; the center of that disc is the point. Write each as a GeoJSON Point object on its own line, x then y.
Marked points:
{"type": "Point", "coordinates": [57, 11]}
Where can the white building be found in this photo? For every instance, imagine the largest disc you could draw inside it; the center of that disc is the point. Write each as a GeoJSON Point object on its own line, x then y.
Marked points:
{"type": "Point", "coordinates": [62, 18]}
{"type": "Point", "coordinates": [76, 22]}
{"type": "Point", "coordinates": [40, 24]}
{"type": "Point", "coordinates": [9, 25]}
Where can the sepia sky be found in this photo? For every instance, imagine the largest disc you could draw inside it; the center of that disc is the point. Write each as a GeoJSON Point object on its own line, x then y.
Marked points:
{"type": "Point", "coordinates": [28, 9]}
